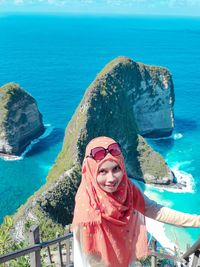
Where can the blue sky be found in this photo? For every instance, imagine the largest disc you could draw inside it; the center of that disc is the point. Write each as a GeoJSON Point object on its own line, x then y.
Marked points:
{"type": "Point", "coordinates": [144, 7]}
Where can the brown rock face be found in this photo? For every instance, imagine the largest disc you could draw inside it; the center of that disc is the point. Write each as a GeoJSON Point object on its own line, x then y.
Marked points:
{"type": "Point", "coordinates": [20, 119]}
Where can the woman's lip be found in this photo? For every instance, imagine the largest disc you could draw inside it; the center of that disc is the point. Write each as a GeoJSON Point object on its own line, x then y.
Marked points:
{"type": "Point", "coordinates": [111, 185]}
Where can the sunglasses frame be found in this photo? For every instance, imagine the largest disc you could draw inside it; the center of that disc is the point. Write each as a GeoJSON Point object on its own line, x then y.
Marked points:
{"type": "Point", "coordinates": [104, 149]}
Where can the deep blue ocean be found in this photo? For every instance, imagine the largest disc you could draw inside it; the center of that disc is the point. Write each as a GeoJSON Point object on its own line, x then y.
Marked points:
{"type": "Point", "coordinates": [56, 57]}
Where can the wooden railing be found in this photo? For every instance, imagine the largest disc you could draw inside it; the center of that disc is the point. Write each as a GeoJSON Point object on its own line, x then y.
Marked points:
{"type": "Point", "coordinates": [190, 258]}
{"type": "Point", "coordinates": [67, 240]}
{"type": "Point", "coordinates": [195, 251]}
{"type": "Point", "coordinates": [36, 246]}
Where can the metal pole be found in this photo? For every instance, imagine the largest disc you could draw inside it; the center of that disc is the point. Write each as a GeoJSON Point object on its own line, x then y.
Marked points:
{"type": "Point", "coordinates": [154, 258]}
{"type": "Point", "coordinates": [67, 245]}
{"type": "Point", "coordinates": [34, 238]}
{"type": "Point", "coordinates": [196, 259]}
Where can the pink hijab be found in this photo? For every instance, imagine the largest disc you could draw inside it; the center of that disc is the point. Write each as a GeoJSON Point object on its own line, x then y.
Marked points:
{"type": "Point", "coordinates": [113, 224]}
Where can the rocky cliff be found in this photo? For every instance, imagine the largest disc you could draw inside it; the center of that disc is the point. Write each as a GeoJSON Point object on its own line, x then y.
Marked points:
{"type": "Point", "coordinates": [122, 102]}
{"type": "Point", "coordinates": [20, 120]}
{"type": "Point", "coordinates": [117, 104]}
{"type": "Point", "coordinates": [153, 100]}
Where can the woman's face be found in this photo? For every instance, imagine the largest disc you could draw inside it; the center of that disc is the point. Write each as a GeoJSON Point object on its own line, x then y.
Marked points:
{"type": "Point", "coordinates": [109, 176]}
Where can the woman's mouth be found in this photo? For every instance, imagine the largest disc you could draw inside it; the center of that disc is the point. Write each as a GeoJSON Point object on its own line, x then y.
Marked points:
{"type": "Point", "coordinates": [111, 185]}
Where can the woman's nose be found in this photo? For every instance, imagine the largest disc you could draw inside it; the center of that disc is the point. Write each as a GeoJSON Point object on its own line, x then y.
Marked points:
{"type": "Point", "coordinates": [111, 177]}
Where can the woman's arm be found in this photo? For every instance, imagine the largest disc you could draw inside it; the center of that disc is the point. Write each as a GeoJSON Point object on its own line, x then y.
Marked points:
{"type": "Point", "coordinates": [166, 215]}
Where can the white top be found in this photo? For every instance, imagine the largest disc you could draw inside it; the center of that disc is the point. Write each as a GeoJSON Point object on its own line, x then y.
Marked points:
{"type": "Point", "coordinates": [153, 211]}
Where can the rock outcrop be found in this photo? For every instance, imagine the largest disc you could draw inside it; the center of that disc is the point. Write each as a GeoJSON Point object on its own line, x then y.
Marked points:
{"type": "Point", "coordinates": [153, 100]}
{"type": "Point", "coordinates": [20, 120]}
{"type": "Point", "coordinates": [116, 104]}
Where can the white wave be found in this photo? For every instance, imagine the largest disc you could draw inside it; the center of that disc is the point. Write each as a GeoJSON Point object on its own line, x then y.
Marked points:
{"type": "Point", "coordinates": [160, 138]}
{"type": "Point", "coordinates": [185, 183]}
{"type": "Point", "coordinates": [185, 178]}
{"type": "Point", "coordinates": [177, 136]}
{"type": "Point", "coordinates": [10, 157]}
{"type": "Point", "coordinates": [47, 125]}
{"type": "Point", "coordinates": [47, 132]}
{"type": "Point", "coordinates": [157, 230]}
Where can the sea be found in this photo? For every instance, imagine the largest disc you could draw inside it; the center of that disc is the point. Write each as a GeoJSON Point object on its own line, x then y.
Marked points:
{"type": "Point", "coordinates": [55, 57]}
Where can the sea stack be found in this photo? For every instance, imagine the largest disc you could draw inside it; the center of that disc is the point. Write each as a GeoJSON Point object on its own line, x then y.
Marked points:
{"type": "Point", "coordinates": [20, 119]}
{"type": "Point", "coordinates": [127, 101]}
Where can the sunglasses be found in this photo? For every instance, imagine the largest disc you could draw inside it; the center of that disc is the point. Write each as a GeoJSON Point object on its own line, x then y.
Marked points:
{"type": "Point", "coordinates": [99, 153]}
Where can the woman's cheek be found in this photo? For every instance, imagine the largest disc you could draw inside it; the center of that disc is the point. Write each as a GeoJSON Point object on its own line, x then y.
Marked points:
{"type": "Point", "coordinates": [100, 180]}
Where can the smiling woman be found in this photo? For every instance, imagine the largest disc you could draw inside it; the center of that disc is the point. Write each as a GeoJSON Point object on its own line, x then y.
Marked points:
{"type": "Point", "coordinates": [109, 217]}
{"type": "Point", "coordinates": [110, 231]}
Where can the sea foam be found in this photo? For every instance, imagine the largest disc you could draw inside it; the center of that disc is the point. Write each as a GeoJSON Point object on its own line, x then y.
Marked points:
{"type": "Point", "coordinates": [177, 136]}
{"type": "Point", "coordinates": [47, 132]}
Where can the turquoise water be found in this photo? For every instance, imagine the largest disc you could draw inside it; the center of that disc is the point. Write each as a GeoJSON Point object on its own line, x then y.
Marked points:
{"type": "Point", "coordinates": [56, 57]}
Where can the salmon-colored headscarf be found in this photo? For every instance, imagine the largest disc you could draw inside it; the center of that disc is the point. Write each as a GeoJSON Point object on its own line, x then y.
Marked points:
{"type": "Point", "coordinates": [113, 224]}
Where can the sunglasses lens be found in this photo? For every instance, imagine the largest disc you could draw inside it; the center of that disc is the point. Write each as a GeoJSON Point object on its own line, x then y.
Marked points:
{"type": "Point", "coordinates": [114, 149]}
{"type": "Point", "coordinates": [98, 153]}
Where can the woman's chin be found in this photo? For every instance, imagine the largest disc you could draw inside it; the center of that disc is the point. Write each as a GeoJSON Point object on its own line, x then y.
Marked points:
{"type": "Point", "coordinates": [110, 188]}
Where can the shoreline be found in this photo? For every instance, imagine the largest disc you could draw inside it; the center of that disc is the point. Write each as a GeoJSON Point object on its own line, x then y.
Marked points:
{"type": "Point", "coordinates": [10, 157]}
{"type": "Point", "coordinates": [185, 183]}
{"type": "Point", "coordinates": [155, 228]}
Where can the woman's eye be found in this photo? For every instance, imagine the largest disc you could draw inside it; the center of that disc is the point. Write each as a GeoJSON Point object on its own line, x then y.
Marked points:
{"type": "Point", "coordinates": [102, 172]}
{"type": "Point", "coordinates": [116, 169]}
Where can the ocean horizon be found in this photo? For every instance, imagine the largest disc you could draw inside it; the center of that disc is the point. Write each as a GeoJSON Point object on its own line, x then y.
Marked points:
{"type": "Point", "coordinates": [55, 58]}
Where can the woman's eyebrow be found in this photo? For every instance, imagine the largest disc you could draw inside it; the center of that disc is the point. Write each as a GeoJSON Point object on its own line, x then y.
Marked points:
{"type": "Point", "coordinates": [115, 166]}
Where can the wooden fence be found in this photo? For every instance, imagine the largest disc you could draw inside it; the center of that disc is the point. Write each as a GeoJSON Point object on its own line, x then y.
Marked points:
{"type": "Point", "coordinates": [36, 246]}
{"type": "Point", "coordinates": [190, 258]}
{"type": "Point", "coordinates": [66, 259]}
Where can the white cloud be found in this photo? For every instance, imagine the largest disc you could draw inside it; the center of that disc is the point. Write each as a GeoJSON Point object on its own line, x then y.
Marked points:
{"type": "Point", "coordinates": [51, 2]}
{"type": "Point", "coordinates": [18, 2]}
{"type": "Point", "coordinates": [156, 3]}
{"type": "Point", "coordinates": [169, 3]}
{"type": "Point", "coordinates": [88, 1]}
{"type": "Point", "coordinates": [135, 6]}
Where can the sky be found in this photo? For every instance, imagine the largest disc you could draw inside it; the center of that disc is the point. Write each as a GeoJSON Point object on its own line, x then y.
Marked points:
{"type": "Point", "coordinates": [127, 7]}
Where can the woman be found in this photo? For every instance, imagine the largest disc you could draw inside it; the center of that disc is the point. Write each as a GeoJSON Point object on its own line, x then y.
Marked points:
{"type": "Point", "coordinates": [109, 216]}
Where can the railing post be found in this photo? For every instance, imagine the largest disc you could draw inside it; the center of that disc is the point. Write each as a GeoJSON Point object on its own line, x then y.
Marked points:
{"type": "Point", "coordinates": [67, 244]}
{"type": "Point", "coordinates": [196, 258]}
{"type": "Point", "coordinates": [34, 238]}
{"type": "Point", "coordinates": [60, 253]}
{"type": "Point", "coordinates": [72, 248]}
{"type": "Point", "coordinates": [49, 254]}
{"type": "Point", "coordinates": [153, 258]}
